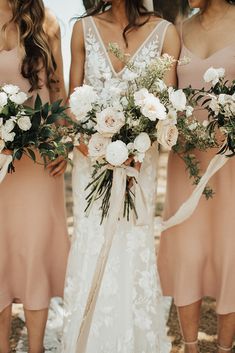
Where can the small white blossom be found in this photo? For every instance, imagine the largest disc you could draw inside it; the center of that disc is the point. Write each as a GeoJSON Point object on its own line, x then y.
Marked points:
{"type": "Point", "coordinates": [178, 99]}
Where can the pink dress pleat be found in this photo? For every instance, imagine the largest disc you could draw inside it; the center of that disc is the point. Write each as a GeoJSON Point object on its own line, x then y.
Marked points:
{"type": "Point", "coordinates": [34, 243]}
{"type": "Point", "coordinates": [196, 258]}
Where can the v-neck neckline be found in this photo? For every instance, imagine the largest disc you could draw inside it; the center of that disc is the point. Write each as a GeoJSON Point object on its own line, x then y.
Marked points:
{"type": "Point", "coordinates": [133, 56]}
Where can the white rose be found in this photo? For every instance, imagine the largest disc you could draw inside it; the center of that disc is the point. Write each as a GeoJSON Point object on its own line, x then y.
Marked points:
{"type": "Point", "coordinates": [19, 98]}
{"type": "Point", "coordinates": [153, 108]}
{"type": "Point", "coordinates": [109, 122]}
{"type": "Point", "coordinates": [24, 123]}
{"type": "Point", "coordinates": [2, 145]}
{"type": "Point", "coordinates": [117, 153]}
{"type": "Point", "coordinates": [10, 89]}
{"type": "Point", "coordinates": [142, 142]}
{"type": "Point", "coordinates": [9, 125]}
{"type": "Point", "coordinates": [178, 99]}
{"type": "Point", "coordinates": [167, 134]}
{"type": "Point", "coordinates": [97, 145]}
{"type": "Point", "coordinates": [3, 99]}
{"type": "Point", "coordinates": [213, 75]}
{"type": "Point", "coordinates": [140, 96]}
{"type": "Point", "coordinates": [81, 101]}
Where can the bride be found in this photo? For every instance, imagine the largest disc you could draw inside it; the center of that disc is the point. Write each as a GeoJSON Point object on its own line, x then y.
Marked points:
{"type": "Point", "coordinates": [129, 313]}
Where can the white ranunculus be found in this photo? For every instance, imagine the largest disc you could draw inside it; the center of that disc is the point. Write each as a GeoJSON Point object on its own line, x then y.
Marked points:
{"type": "Point", "coordinates": [178, 99]}
{"type": "Point", "coordinates": [140, 96]}
{"type": "Point", "coordinates": [109, 121]}
{"type": "Point", "coordinates": [117, 153]}
{"type": "Point", "coordinates": [153, 108]}
{"type": "Point", "coordinates": [81, 101]}
{"type": "Point", "coordinates": [2, 145]}
{"type": "Point", "coordinates": [142, 142]}
{"type": "Point", "coordinates": [24, 123]}
{"type": "Point", "coordinates": [19, 98]}
{"type": "Point", "coordinates": [167, 134]}
{"type": "Point", "coordinates": [214, 75]}
{"type": "Point", "coordinates": [3, 99]}
{"type": "Point", "coordinates": [11, 89]}
{"type": "Point", "coordinates": [214, 106]}
{"type": "Point", "coordinates": [97, 145]}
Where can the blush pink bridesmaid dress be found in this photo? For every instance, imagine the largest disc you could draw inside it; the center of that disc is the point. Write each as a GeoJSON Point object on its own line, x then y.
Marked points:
{"type": "Point", "coordinates": [34, 243]}
{"type": "Point", "coordinates": [196, 258]}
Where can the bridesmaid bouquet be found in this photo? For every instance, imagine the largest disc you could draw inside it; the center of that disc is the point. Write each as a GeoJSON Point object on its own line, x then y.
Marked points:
{"type": "Point", "coordinates": [122, 123]}
{"type": "Point", "coordinates": [24, 130]}
{"type": "Point", "coordinates": [220, 103]}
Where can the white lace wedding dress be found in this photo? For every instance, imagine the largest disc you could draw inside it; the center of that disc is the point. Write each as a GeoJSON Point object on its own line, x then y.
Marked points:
{"type": "Point", "coordinates": [129, 315]}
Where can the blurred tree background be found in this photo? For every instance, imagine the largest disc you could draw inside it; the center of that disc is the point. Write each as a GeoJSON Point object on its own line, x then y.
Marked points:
{"type": "Point", "coordinates": [172, 11]}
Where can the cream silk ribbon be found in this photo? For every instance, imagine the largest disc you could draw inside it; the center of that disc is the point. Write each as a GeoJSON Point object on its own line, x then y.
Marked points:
{"type": "Point", "coordinates": [189, 206]}
{"type": "Point", "coordinates": [5, 161]}
{"type": "Point", "coordinates": [115, 211]}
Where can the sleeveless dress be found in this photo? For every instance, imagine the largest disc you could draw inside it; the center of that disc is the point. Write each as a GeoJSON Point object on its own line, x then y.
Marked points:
{"type": "Point", "coordinates": [34, 243]}
{"type": "Point", "coordinates": [129, 314]}
{"type": "Point", "coordinates": [196, 258]}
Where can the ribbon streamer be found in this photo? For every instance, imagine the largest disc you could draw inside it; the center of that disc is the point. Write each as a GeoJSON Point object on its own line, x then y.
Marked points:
{"type": "Point", "coordinates": [116, 207]}
{"type": "Point", "coordinates": [5, 161]}
{"type": "Point", "coordinates": [189, 206]}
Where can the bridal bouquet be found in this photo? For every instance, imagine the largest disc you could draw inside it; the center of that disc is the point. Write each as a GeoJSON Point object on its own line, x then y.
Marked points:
{"type": "Point", "coordinates": [24, 130]}
{"type": "Point", "coordinates": [122, 122]}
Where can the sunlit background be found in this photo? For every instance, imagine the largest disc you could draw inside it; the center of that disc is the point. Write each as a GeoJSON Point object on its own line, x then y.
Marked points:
{"type": "Point", "coordinates": [65, 10]}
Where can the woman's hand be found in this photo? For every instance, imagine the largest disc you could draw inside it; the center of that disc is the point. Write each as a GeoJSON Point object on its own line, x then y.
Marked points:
{"type": "Point", "coordinates": [83, 148]}
{"type": "Point", "coordinates": [57, 167]}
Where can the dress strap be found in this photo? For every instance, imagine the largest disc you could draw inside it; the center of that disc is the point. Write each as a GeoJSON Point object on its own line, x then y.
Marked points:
{"type": "Point", "coordinates": [161, 30]}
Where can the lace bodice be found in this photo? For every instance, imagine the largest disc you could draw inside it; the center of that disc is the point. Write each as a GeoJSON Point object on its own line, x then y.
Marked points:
{"type": "Point", "coordinates": [99, 70]}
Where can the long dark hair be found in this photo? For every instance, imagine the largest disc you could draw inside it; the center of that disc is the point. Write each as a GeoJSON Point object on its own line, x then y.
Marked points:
{"type": "Point", "coordinates": [134, 11]}
{"type": "Point", "coordinates": [29, 17]}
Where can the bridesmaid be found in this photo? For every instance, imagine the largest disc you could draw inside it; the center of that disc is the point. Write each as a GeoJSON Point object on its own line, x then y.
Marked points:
{"type": "Point", "coordinates": [33, 233]}
{"type": "Point", "coordinates": [196, 258]}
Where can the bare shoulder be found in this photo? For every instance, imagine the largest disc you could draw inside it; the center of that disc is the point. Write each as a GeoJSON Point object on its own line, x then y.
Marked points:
{"type": "Point", "coordinates": [172, 34]}
{"type": "Point", "coordinates": [51, 24]}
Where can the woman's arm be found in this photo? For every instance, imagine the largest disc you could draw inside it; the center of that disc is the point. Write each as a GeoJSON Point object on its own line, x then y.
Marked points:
{"type": "Point", "coordinates": [77, 66]}
{"type": "Point", "coordinates": [57, 88]}
{"type": "Point", "coordinates": [172, 47]}
{"type": "Point", "coordinates": [52, 29]}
